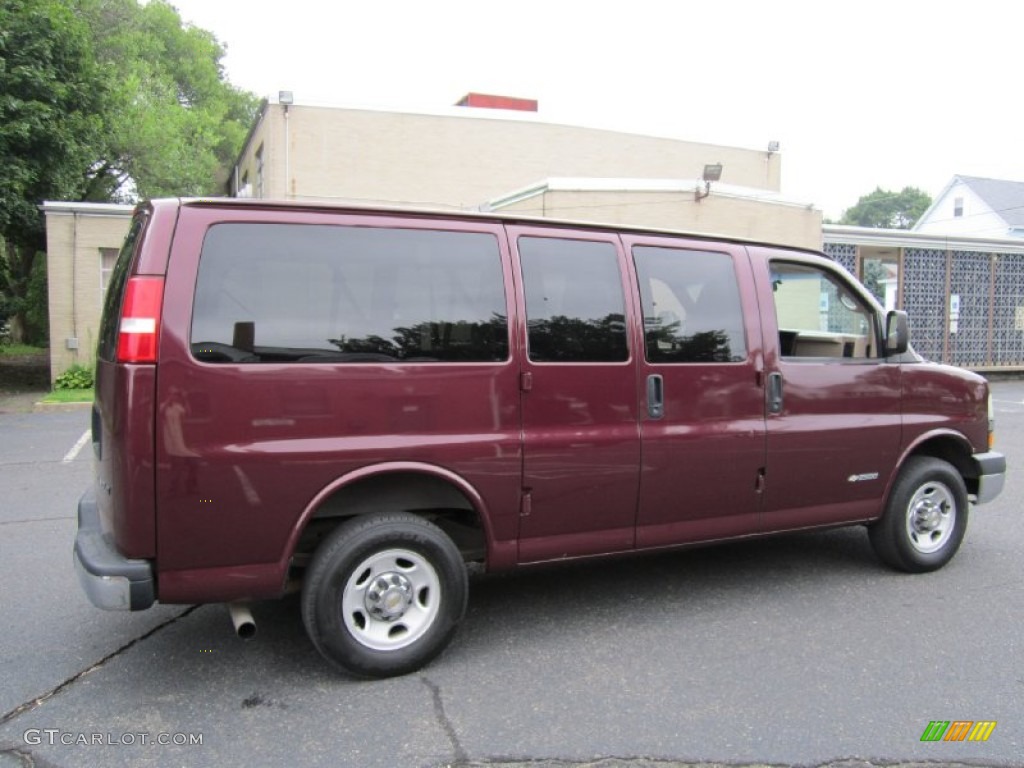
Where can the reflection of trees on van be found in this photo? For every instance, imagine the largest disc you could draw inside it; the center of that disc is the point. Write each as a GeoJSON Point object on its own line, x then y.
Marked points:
{"type": "Point", "coordinates": [459, 341]}
{"type": "Point", "coordinates": [368, 345]}
{"type": "Point", "coordinates": [666, 344]}
{"type": "Point", "coordinates": [561, 339]}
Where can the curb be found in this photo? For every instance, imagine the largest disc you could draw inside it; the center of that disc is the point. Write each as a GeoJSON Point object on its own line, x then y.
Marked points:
{"type": "Point", "coordinates": [41, 406]}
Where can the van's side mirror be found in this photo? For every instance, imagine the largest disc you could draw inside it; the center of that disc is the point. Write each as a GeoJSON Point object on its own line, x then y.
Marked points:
{"type": "Point", "coordinates": [897, 333]}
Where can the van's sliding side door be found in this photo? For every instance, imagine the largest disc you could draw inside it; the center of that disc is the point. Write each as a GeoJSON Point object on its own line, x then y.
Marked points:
{"type": "Point", "coordinates": [702, 416]}
{"type": "Point", "coordinates": [579, 394]}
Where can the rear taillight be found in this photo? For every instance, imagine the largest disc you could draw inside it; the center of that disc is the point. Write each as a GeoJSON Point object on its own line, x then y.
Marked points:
{"type": "Point", "coordinates": [140, 320]}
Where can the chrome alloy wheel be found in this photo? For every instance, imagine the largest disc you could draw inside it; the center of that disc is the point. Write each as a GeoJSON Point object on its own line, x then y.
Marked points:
{"type": "Point", "coordinates": [931, 517]}
{"type": "Point", "coordinates": [391, 599]}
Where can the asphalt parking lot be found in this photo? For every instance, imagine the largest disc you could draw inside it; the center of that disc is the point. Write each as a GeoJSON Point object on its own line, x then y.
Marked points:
{"type": "Point", "coordinates": [798, 650]}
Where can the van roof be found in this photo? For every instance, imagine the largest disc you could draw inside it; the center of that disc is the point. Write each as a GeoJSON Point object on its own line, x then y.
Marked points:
{"type": "Point", "coordinates": [428, 212]}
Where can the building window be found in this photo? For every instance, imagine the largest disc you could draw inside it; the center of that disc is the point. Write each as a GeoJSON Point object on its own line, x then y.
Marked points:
{"type": "Point", "coordinates": [108, 258]}
{"type": "Point", "coordinates": [259, 171]}
{"type": "Point", "coordinates": [958, 207]}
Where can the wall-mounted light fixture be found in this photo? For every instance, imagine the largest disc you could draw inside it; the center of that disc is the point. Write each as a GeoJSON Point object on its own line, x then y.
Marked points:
{"type": "Point", "coordinates": [712, 172]}
{"type": "Point", "coordinates": [286, 99]}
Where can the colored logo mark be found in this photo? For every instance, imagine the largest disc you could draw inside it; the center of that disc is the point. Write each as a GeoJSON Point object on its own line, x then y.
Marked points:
{"type": "Point", "coordinates": [958, 730]}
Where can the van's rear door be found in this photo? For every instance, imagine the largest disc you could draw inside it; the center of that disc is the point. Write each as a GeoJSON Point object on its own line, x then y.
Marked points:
{"type": "Point", "coordinates": [124, 408]}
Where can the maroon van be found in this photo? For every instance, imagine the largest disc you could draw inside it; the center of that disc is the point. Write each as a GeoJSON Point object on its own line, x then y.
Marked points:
{"type": "Point", "coordinates": [372, 402]}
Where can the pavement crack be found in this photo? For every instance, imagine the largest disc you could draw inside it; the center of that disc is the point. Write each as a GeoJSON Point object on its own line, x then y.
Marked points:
{"type": "Point", "coordinates": [24, 756]}
{"type": "Point", "coordinates": [28, 706]}
{"type": "Point", "coordinates": [445, 722]}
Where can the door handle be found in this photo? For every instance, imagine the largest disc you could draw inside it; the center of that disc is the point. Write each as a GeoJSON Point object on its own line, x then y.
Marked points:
{"type": "Point", "coordinates": [655, 396]}
{"type": "Point", "coordinates": [774, 393]}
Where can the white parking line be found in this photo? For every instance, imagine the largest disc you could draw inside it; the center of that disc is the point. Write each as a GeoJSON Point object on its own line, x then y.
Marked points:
{"type": "Point", "coordinates": [70, 455]}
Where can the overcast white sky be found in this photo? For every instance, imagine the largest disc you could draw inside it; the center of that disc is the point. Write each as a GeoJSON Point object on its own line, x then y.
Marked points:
{"type": "Point", "coordinates": [859, 94]}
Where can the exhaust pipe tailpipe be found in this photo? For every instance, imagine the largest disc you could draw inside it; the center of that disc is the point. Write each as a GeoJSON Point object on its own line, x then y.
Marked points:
{"type": "Point", "coordinates": [241, 617]}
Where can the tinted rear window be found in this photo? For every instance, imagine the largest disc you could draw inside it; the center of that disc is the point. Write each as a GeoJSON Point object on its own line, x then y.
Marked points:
{"type": "Point", "coordinates": [310, 293]}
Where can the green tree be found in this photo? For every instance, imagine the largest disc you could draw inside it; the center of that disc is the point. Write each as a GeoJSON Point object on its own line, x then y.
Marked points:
{"type": "Point", "coordinates": [888, 210]}
{"type": "Point", "coordinates": [174, 124]}
{"type": "Point", "coordinates": [52, 92]}
{"type": "Point", "coordinates": [874, 276]}
{"type": "Point", "coordinates": [104, 100]}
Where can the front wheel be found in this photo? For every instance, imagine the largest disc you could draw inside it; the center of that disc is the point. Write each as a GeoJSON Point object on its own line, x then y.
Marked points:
{"type": "Point", "coordinates": [925, 518]}
{"type": "Point", "coordinates": [384, 594]}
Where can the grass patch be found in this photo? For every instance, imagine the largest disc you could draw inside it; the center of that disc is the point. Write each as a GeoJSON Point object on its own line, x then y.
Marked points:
{"type": "Point", "coordinates": [21, 350]}
{"type": "Point", "coordinates": [69, 396]}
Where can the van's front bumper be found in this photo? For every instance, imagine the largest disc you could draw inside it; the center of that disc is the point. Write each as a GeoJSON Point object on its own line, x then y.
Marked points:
{"type": "Point", "coordinates": [112, 581]}
{"type": "Point", "coordinates": [991, 475]}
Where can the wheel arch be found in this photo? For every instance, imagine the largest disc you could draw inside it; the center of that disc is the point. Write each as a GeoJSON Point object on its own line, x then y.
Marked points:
{"type": "Point", "coordinates": [435, 493]}
{"type": "Point", "coordinates": [948, 445]}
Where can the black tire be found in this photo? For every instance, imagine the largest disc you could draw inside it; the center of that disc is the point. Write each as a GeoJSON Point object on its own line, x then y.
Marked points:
{"type": "Point", "coordinates": [925, 517]}
{"type": "Point", "coordinates": [384, 594]}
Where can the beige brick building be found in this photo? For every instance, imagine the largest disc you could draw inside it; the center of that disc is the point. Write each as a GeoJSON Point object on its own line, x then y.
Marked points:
{"type": "Point", "coordinates": [669, 204]}
{"type": "Point", "coordinates": [511, 160]}
{"type": "Point", "coordinates": [82, 241]}
{"type": "Point", "coordinates": [459, 156]}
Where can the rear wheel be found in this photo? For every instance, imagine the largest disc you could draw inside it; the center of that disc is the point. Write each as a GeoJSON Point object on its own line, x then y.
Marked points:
{"type": "Point", "coordinates": [384, 594]}
{"type": "Point", "coordinates": [925, 518]}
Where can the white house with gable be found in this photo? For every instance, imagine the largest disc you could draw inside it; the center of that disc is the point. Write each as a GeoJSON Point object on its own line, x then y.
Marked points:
{"type": "Point", "coordinates": [975, 207]}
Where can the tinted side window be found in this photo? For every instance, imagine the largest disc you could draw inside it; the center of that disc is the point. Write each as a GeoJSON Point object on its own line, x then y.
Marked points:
{"type": "Point", "coordinates": [111, 318]}
{"type": "Point", "coordinates": [575, 310]}
{"type": "Point", "coordinates": [691, 305]}
{"type": "Point", "coordinates": [311, 293]}
{"type": "Point", "coordinates": [819, 316]}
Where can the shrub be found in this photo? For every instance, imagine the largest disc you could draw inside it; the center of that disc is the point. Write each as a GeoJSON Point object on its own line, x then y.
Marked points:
{"type": "Point", "coordinates": [75, 377]}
